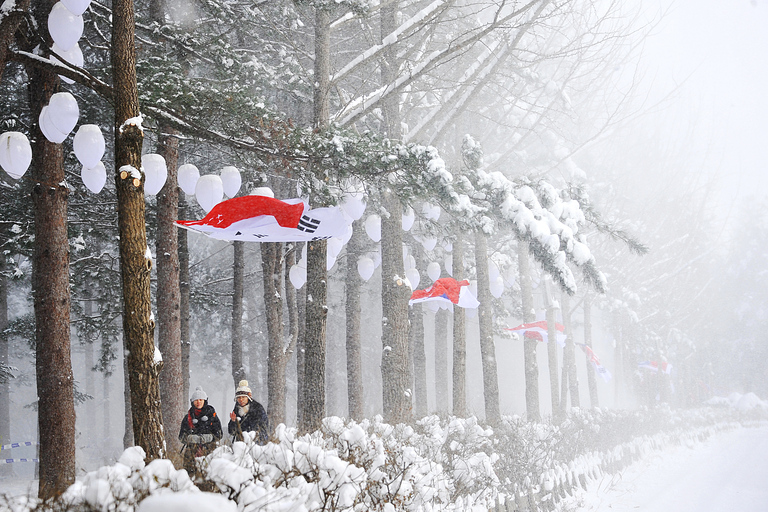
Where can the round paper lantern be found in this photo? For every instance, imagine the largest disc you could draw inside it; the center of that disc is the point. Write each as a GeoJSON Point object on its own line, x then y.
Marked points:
{"type": "Point", "coordinates": [428, 243]}
{"type": "Point", "coordinates": [373, 227]}
{"type": "Point", "coordinates": [155, 172]}
{"type": "Point", "coordinates": [493, 270]}
{"type": "Point", "coordinates": [298, 276]}
{"type": "Point", "coordinates": [497, 287]}
{"type": "Point", "coordinates": [74, 56]}
{"type": "Point", "coordinates": [89, 145]}
{"type": "Point", "coordinates": [408, 218]}
{"type": "Point", "coordinates": [263, 191]}
{"type": "Point", "coordinates": [334, 247]}
{"type": "Point", "coordinates": [94, 177]}
{"type": "Point", "coordinates": [209, 191]}
{"type": "Point", "coordinates": [448, 264]}
{"type": "Point", "coordinates": [15, 154]}
{"type": "Point", "coordinates": [188, 176]}
{"type": "Point", "coordinates": [413, 277]}
{"type": "Point", "coordinates": [365, 267]}
{"type": "Point", "coordinates": [63, 112]}
{"type": "Point", "coordinates": [231, 180]}
{"type": "Point", "coordinates": [433, 271]}
{"type": "Point", "coordinates": [353, 205]}
{"type": "Point", "coordinates": [50, 131]}
{"type": "Point", "coordinates": [76, 7]}
{"type": "Point", "coordinates": [65, 27]}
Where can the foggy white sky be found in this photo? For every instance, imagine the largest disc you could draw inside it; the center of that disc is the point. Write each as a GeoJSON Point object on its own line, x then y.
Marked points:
{"type": "Point", "coordinates": [717, 51]}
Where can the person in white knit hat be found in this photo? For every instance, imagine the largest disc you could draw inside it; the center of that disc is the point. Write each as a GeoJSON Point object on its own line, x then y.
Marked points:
{"type": "Point", "coordinates": [247, 416]}
{"type": "Point", "coordinates": [200, 429]}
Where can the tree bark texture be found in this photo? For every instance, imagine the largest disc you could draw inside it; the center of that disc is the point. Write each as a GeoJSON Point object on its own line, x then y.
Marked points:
{"type": "Point", "coordinates": [186, 342]}
{"type": "Point", "coordinates": [292, 308]}
{"type": "Point", "coordinates": [353, 283]}
{"type": "Point", "coordinates": [272, 276]}
{"type": "Point", "coordinates": [529, 345]}
{"type": "Point", "coordinates": [485, 321]}
{"type": "Point", "coordinates": [419, 361]}
{"type": "Point", "coordinates": [134, 266]}
{"type": "Point", "coordinates": [313, 385]}
{"type": "Point", "coordinates": [238, 276]}
{"type": "Point", "coordinates": [172, 396]}
{"type": "Point", "coordinates": [441, 361]}
{"type": "Point", "coordinates": [5, 386]}
{"type": "Point", "coordinates": [459, 337]}
{"type": "Point", "coordinates": [591, 380]}
{"type": "Point", "coordinates": [552, 362]}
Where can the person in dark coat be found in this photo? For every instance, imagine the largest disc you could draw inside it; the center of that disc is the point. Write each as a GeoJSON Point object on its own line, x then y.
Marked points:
{"type": "Point", "coordinates": [200, 429]}
{"type": "Point", "coordinates": [248, 416]}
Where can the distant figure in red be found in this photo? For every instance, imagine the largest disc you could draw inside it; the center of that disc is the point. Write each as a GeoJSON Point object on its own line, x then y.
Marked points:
{"type": "Point", "coordinates": [200, 429]}
{"type": "Point", "coordinates": [247, 416]}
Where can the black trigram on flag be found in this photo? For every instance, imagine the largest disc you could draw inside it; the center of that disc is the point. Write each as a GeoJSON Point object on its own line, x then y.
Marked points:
{"type": "Point", "coordinates": [308, 224]}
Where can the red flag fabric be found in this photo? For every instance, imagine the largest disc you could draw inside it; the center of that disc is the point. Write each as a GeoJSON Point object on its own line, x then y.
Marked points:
{"type": "Point", "coordinates": [265, 219]}
{"type": "Point", "coordinates": [539, 331]}
{"type": "Point", "coordinates": [447, 289]}
{"type": "Point", "coordinates": [599, 369]}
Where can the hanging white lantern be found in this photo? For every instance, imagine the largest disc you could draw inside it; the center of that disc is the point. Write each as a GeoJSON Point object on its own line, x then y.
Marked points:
{"type": "Point", "coordinates": [155, 172]}
{"type": "Point", "coordinates": [448, 246]}
{"type": "Point", "coordinates": [497, 287]}
{"type": "Point", "coordinates": [50, 131]}
{"type": "Point", "coordinates": [94, 177]}
{"type": "Point", "coordinates": [298, 276]}
{"type": "Point", "coordinates": [428, 243]}
{"type": "Point", "coordinates": [74, 56]}
{"type": "Point", "coordinates": [353, 205]}
{"type": "Point", "coordinates": [76, 7]}
{"type": "Point", "coordinates": [209, 191]}
{"type": "Point", "coordinates": [433, 271]}
{"type": "Point", "coordinates": [188, 176]}
{"type": "Point", "coordinates": [89, 145]}
{"type": "Point", "coordinates": [334, 247]}
{"type": "Point", "coordinates": [231, 180]}
{"type": "Point", "coordinates": [263, 191]}
{"type": "Point", "coordinates": [15, 154]}
{"type": "Point", "coordinates": [365, 268]}
{"type": "Point", "coordinates": [408, 218]}
{"type": "Point", "coordinates": [373, 227]}
{"type": "Point", "coordinates": [493, 270]}
{"type": "Point", "coordinates": [448, 264]}
{"type": "Point", "coordinates": [65, 27]}
{"type": "Point", "coordinates": [63, 112]}
{"type": "Point", "coordinates": [413, 277]}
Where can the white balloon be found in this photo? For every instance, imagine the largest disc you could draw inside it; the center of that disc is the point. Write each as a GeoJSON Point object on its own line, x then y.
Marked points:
{"type": "Point", "coordinates": [448, 246]}
{"type": "Point", "coordinates": [353, 206]}
{"type": "Point", "coordinates": [209, 191]}
{"type": "Point", "coordinates": [50, 131]}
{"type": "Point", "coordinates": [15, 154]}
{"type": "Point", "coordinates": [74, 56]}
{"type": "Point", "coordinates": [376, 257]}
{"type": "Point", "coordinates": [94, 177]}
{"type": "Point", "coordinates": [63, 112]}
{"type": "Point", "coordinates": [365, 267]}
{"type": "Point", "coordinates": [413, 277]}
{"type": "Point", "coordinates": [76, 7]}
{"type": "Point", "coordinates": [334, 247]}
{"type": "Point", "coordinates": [263, 191]}
{"type": "Point", "coordinates": [408, 218]}
{"type": "Point", "coordinates": [155, 172]}
{"type": "Point", "coordinates": [493, 270]}
{"type": "Point", "coordinates": [409, 262]}
{"type": "Point", "coordinates": [347, 234]}
{"type": "Point", "coordinates": [373, 227]}
{"type": "Point", "coordinates": [188, 176]}
{"type": "Point", "coordinates": [65, 27]}
{"type": "Point", "coordinates": [448, 264]}
{"type": "Point", "coordinates": [231, 179]}
{"type": "Point", "coordinates": [430, 212]}
{"type": "Point", "coordinates": [497, 287]}
{"type": "Point", "coordinates": [433, 271]}
{"type": "Point", "coordinates": [298, 276]}
{"type": "Point", "coordinates": [428, 243]}
{"type": "Point", "coordinates": [89, 145]}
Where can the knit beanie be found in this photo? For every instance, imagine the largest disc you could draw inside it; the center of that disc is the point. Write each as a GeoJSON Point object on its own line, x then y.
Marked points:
{"type": "Point", "coordinates": [199, 394]}
{"type": "Point", "coordinates": [242, 389]}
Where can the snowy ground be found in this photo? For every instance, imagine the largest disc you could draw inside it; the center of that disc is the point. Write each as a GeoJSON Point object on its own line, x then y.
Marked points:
{"type": "Point", "coordinates": [728, 472]}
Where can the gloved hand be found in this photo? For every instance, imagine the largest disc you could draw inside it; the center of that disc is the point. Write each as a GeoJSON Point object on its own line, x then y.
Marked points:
{"type": "Point", "coordinates": [193, 439]}
{"type": "Point", "coordinates": [207, 438]}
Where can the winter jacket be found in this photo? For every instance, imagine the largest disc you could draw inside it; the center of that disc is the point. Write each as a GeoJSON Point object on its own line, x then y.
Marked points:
{"type": "Point", "coordinates": [255, 420]}
{"type": "Point", "coordinates": [203, 423]}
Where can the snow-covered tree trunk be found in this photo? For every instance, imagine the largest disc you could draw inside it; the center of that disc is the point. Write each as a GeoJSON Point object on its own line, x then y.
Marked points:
{"type": "Point", "coordinates": [134, 265]}
{"type": "Point", "coordinates": [168, 292]}
{"type": "Point", "coordinates": [552, 362]}
{"type": "Point", "coordinates": [418, 361]}
{"type": "Point", "coordinates": [292, 309]}
{"type": "Point", "coordinates": [591, 381]}
{"type": "Point", "coordinates": [485, 321]}
{"type": "Point", "coordinates": [441, 360]}
{"type": "Point", "coordinates": [459, 335]}
{"type": "Point", "coordinates": [272, 279]}
{"type": "Point", "coordinates": [570, 383]}
{"type": "Point", "coordinates": [353, 284]}
{"type": "Point", "coordinates": [185, 340]}
{"type": "Point", "coordinates": [238, 276]}
{"type": "Point", "coordinates": [529, 345]}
